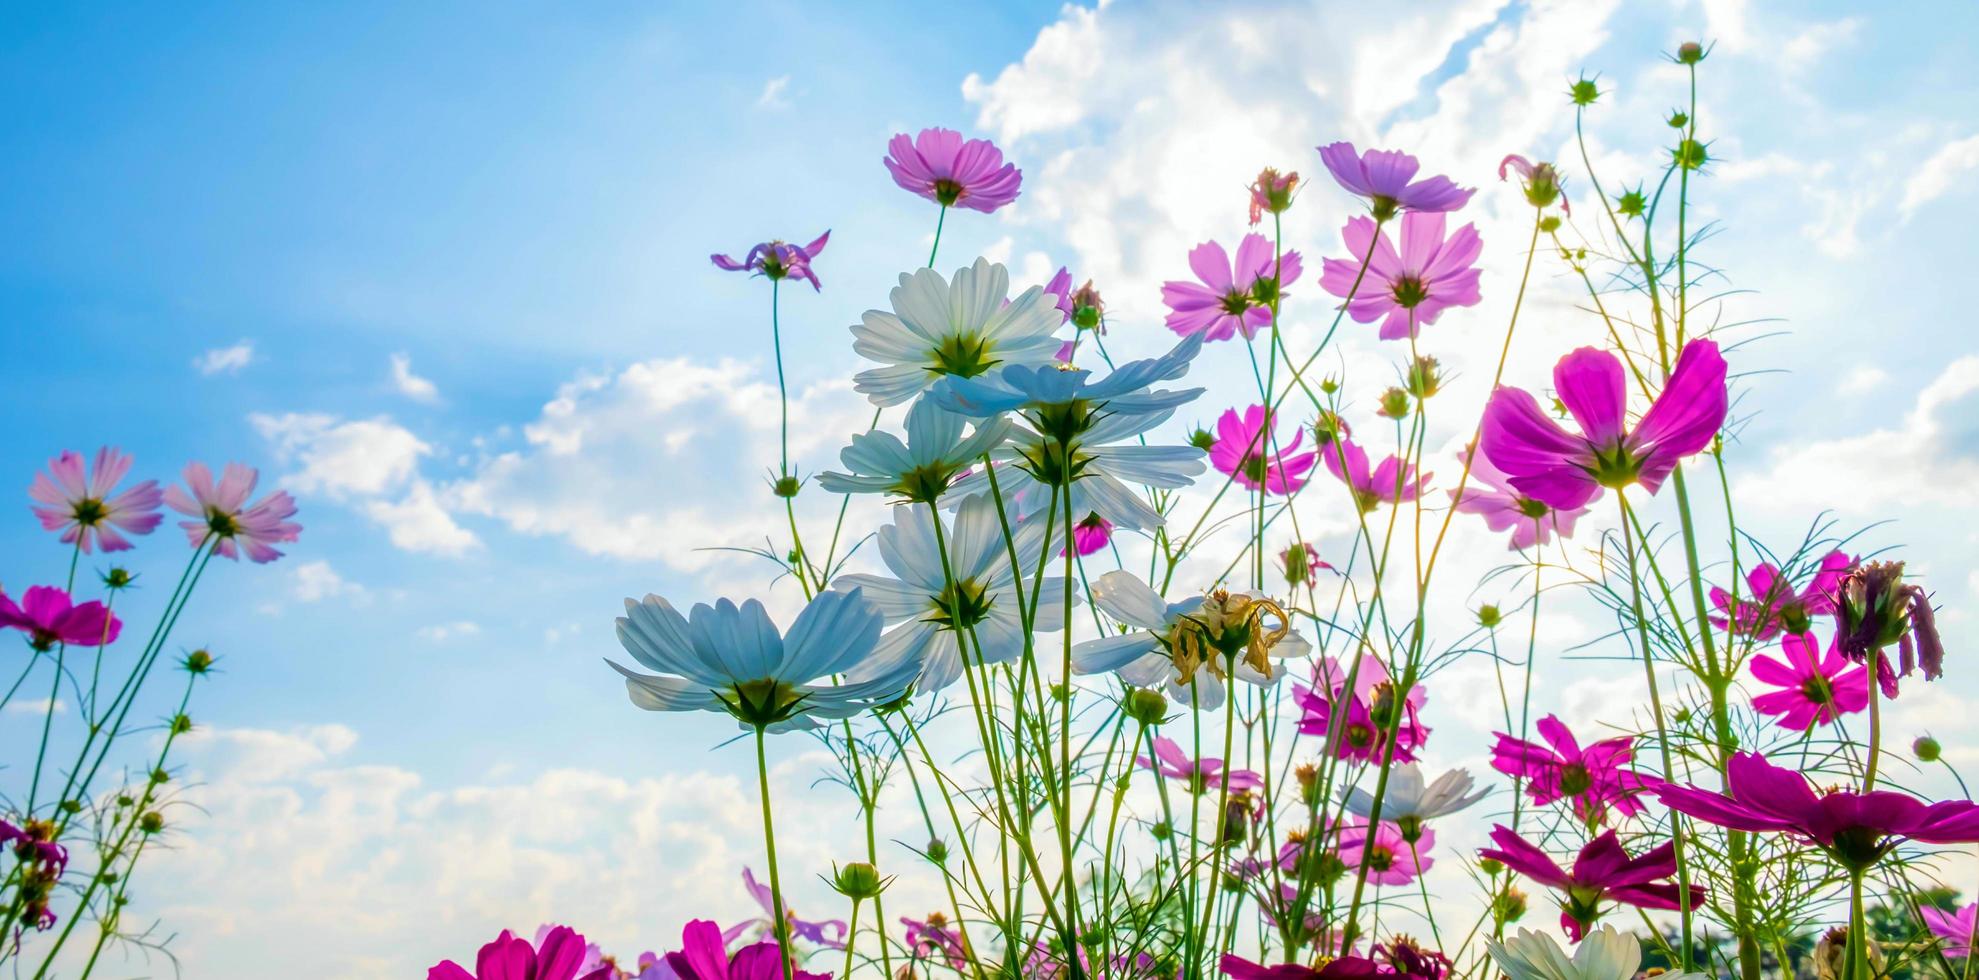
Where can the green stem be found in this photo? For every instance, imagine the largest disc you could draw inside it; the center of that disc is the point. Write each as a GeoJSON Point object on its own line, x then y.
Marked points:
{"type": "Point", "coordinates": [1662, 732]}
{"type": "Point", "coordinates": [852, 939]}
{"type": "Point", "coordinates": [769, 843]}
{"type": "Point", "coordinates": [940, 220]}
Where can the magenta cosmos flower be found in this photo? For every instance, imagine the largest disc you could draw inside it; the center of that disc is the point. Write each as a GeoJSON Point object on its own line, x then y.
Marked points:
{"type": "Point", "coordinates": [511, 957]}
{"type": "Point", "coordinates": [1390, 858]}
{"type": "Point", "coordinates": [224, 515]}
{"type": "Point", "coordinates": [1856, 829]}
{"type": "Point", "coordinates": [1490, 495]}
{"type": "Point", "coordinates": [48, 616]}
{"type": "Point", "coordinates": [952, 172]}
{"type": "Point", "coordinates": [799, 929]}
{"type": "Point", "coordinates": [1566, 470]}
{"type": "Point", "coordinates": [32, 845]}
{"type": "Point", "coordinates": [1245, 449]}
{"type": "Point", "coordinates": [1338, 968]}
{"type": "Point", "coordinates": [1772, 604]}
{"type": "Point", "coordinates": [1392, 482]}
{"type": "Point", "coordinates": [1090, 535]}
{"type": "Point", "coordinates": [704, 956]}
{"type": "Point", "coordinates": [1200, 775]}
{"type": "Point", "coordinates": [1359, 720]}
{"type": "Point", "coordinates": [1595, 777]}
{"type": "Point", "coordinates": [1232, 296]}
{"type": "Point", "coordinates": [1602, 872]}
{"type": "Point", "coordinates": [1405, 291]}
{"type": "Point", "coordinates": [778, 260]}
{"type": "Point", "coordinates": [82, 506]}
{"type": "Point", "coordinates": [1387, 179]}
{"type": "Point", "coordinates": [1955, 928]}
{"type": "Point", "coordinates": [1814, 688]}
{"type": "Point", "coordinates": [932, 937]}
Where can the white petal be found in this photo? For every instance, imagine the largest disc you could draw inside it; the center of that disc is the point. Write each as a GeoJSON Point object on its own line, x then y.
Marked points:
{"type": "Point", "coordinates": [1126, 598]}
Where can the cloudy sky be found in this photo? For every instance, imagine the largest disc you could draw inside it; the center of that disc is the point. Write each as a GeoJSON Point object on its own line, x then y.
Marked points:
{"type": "Point", "coordinates": [441, 269]}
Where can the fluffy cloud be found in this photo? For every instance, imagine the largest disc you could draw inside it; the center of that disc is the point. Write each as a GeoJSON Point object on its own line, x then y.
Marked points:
{"type": "Point", "coordinates": [419, 522]}
{"type": "Point", "coordinates": [315, 581]}
{"type": "Point", "coordinates": [446, 631]}
{"type": "Point", "coordinates": [1935, 178]}
{"type": "Point", "coordinates": [225, 360]}
{"type": "Point", "coordinates": [373, 464]}
{"type": "Point", "coordinates": [774, 94]}
{"type": "Point", "coordinates": [411, 385]}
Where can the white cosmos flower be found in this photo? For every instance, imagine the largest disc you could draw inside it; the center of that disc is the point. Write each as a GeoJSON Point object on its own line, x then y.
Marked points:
{"type": "Point", "coordinates": [1604, 955]}
{"type": "Point", "coordinates": [961, 327]}
{"type": "Point", "coordinates": [916, 596]}
{"type": "Point", "coordinates": [921, 468]}
{"type": "Point", "coordinates": [1408, 799]}
{"type": "Point", "coordinates": [1147, 655]}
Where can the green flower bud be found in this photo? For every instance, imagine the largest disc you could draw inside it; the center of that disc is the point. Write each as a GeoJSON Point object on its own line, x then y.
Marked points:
{"type": "Point", "coordinates": [71, 807]}
{"type": "Point", "coordinates": [937, 851]}
{"type": "Point", "coordinates": [1508, 905]}
{"type": "Point", "coordinates": [1147, 706]}
{"type": "Point", "coordinates": [859, 881]}
{"type": "Point", "coordinates": [1488, 616]}
{"type": "Point", "coordinates": [1490, 866]}
{"type": "Point", "coordinates": [1584, 92]}
{"type": "Point", "coordinates": [151, 822]}
{"type": "Point", "coordinates": [1926, 749]}
{"type": "Point", "coordinates": [160, 776]}
{"type": "Point", "coordinates": [1691, 155]}
{"type": "Point", "coordinates": [1394, 404]}
{"type": "Point", "coordinates": [1425, 377]}
{"type": "Point", "coordinates": [118, 577]}
{"type": "Point", "coordinates": [1690, 52]}
{"type": "Point", "coordinates": [181, 724]}
{"type": "Point", "coordinates": [1203, 439]}
{"type": "Point", "coordinates": [1550, 223]}
{"type": "Point", "coordinates": [1632, 203]}
{"type": "Point", "coordinates": [198, 662]}
{"type": "Point", "coordinates": [786, 486]}
{"type": "Point", "coordinates": [1678, 120]}
{"type": "Point", "coordinates": [1161, 830]}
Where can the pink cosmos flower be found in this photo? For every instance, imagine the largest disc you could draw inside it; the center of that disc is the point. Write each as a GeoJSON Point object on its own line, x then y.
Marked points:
{"type": "Point", "coordinates": [944, 168]}
{"type": "Point", "coordinates": [1542, 181]}
{"type": "Point", "coordinates": [799, 929]}
{"type": "Point", "coordinates": [1390, 861]}
{"type": "Point", "coordinates": [1244, 449]}
{"type": "Point", "coordinates": [1090, 535]}
{"type": "Point", "coordinates": [1302, 563]}
{"type": "Point", "coordinates": [1387, 179]}
{"type": "Point", "coordinates": [704, 956]}
{"type": "Point", "coordinates": [1955, 928]}
{"type": "Point", "coordinates": [83, 508]}
{"type": "Point", "coordinates": [1408, 290]}
{"type": "Point", "coordinates": [1874, 608]}
{"type": "Point", "coordinates": [1337, 968]}
{"type": "Point", "coordinates": [1392, 482]}
{"type": "Point", "coordinates": [1565, 470]}
{"type": "Point", "coordinates": [48, 616]}
{"type": "Point", "coordinates": [1200, 775]}
{"type": "Point", "coordinates": [1490, 495]}
{"type": "Point", "coordinates": [224, 515]}
{"type": "Point", "coordinates": [1595, 777]}
{"type": "Point", "coordinates": [1856, 829]}
{"type": "Point", "coordinates": [510, 957]}
{"type": "Point", "coordinates": [1772, 604]}
{"type": "Point", "coordinates": [1232, 297]}
{"type": "Point", "coordinates": [1368, 711]}
{"type": "Point", "coordinates": [1271, 191]}
{"type": "Point", "coordinates": [1602, 872]}
{"type": "Point", "coordinates": [593, 959]}
{"type": "Point", "coordinates": [1060, 287]}
{"type": "Point", "coordinates": [1814, 689]}
{"type": "Point", "coordinates": [778, 260]}
{"type": "Point", "coordinates": [933, 936]}
{"type": "Point", "coordinates": [32, 846]}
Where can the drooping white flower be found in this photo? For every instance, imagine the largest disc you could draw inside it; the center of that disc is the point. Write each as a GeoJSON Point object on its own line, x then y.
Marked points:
{"type": "Point", "coordinates": [1190, 646]}
{"type": "Point", "coordinates": [960, 327]}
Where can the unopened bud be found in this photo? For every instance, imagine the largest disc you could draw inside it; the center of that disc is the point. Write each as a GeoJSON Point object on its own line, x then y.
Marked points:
{"type": "Point", "coordinates": [786, 486]}
{"type": "Point", "coordinates": [1147, 706]}
{"type": "Point", "coordinates": [938, 851]}
{"type": "Point", "coordinates": [1926, 749]}
{"type": "Point", "coordinates": [859, 881]}
{"type": "Point", "coordinates": [151, 822]}
{"type": "Point", "coordinates": [198, 662]}
{"type": "Point", "coordinates": [1584, 92]}
{"type": "Point", "coordinates": [1690, 52]}
{"type": "Point", "coordinates": [1425, 377]}
{"type": "Point", "coordinates": [1691, 155]}
{"type": "Point", "coordinates": [1394, 404]}
{"type": "Point", "coordinates": [1203, 439]}
{"type": "Point", "coordinates": [1488, 616]}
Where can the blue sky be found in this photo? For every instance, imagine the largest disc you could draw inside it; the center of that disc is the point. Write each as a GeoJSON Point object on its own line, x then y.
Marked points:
{"type": "Point", "coordinates": [519, 200]}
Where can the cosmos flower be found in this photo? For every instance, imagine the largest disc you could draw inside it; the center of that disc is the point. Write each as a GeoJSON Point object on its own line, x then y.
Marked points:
{"type": "Point", "coordinates": [1392, 859]}
{"type": "Point", "coordinates": [1541, 181]}
{"type": "Point", "coordinates": [1875, 608]}
{"type": "Point", "coordinates": [49, 616]}
{"type": "Point", "coordinates": [1171, 642]}
{"type": "Point", "coordinates": [930, 621]}
{"type": "Point", "coordinates": [941, 166]}
{"type": "Point", "coordinates": [1490, 495]}
{"type": "Point", "coordinates": [1814, 689]}
{"type": "Point", "coordinates": [222, 513]}
{"type": "Point", "coordinates": [1856, 829]}
{"type": "Point", "coordinates": [814, 932]}
{"type": "Point", "coordinates": [961, 327]}
{"type": "Point", "coordinates": [1250, 453]}
{"type": "Point", "coordinates": [1566, 470]}
{"type": "Point", "coordinates": [731, 658]}
{"type": "Point", "coordinates": [511, 957]}
{"type": "Point", "coordinates": [1199, 775]}
{"type": "Point", "coordinates": [587, 965]}
{"type": "Point", "coordinates": [1392, 482]}
{"type": "Point", "coordinates": [924, 467]}
{"type": "Point", "coordinates": [1091, 534]}
{"type": "Point", "coordinates": [1271, 192]}
{"type": "Point", "coordinates": [83, 507]}
{"type": "Point", "coordinates": [1302, 564]}
{"type": "Point", "coordinates": [1602, 872]}
{"type": "Point", "coordinates": [1408, 803]}
{"type": "Point", "coordinates": [704, 956]}
{"type": "Point", "coordinates": [1387, 179]}
{"type": "Point", "coordinates": [1367, 711]}
{"type": "Point", "coordinates": [1956, 929]}
{"type": "Point", "coordinates": [778, 260]}
{"type": "Point", "coordinates": [1595, 777]}
{"type": "Point", "coordinates": [1409, 290]}
{"type": "Point", "coordinates": [34, 844]}
{"type": "Point", "coordinates": [1229, 298]}
{"type": "Point", "coordinates": [933, 936]}
{"type": "Point", "coordinates": [1604, 955]}
{"type": "Point", "coordinates": [1772, 604]}
{"type": "Point", "coordinates": [1336, 968]}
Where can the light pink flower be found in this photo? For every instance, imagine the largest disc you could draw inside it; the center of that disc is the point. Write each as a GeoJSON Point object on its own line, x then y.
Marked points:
{"type": "Point", "coordinates": [1387, 179]}
{"type": "Point", "coordinates": [1391, 482]}
{"type": "Point", "coordinates": [952, 172]}
{"type": "Point", "coordinates": [1410, 289]}
{"type": "Point", "coordinates": [224, 515]}
{"type": "Point", "coordinates": [1245, 450]}
{"type": "Point", "coordinates": [1955, 928]}
{"type": "Point", "coordinates": [1490, 495]}
{"type": "Point", "coordinates": [1390, 861]}
{"type": "Point", "coordinates": [83, 507]}
{"type": "Point", "coordinates": [1232, 296]}
{"type": "Point", "coordinates": [1199, 775]}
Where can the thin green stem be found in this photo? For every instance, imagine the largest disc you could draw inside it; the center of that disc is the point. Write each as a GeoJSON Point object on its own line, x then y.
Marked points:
{"type": "Point", "coordinates": [769, 844]}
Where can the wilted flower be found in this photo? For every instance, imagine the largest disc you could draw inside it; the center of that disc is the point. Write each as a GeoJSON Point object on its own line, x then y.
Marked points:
{"type": "Point", "coordinates": [1248, 450]}
{"type": "Point", "coordinates": [1090, 534]}
{"type": "Point", "coordinates": [961, 327]}
{"type": "Point", "coordinates": [510, 957]}
{"type": "Point", "coordinates": [48, 616]}
{"type": "Point", "coordinates": [1410, 289]}
{"type": "Point", "coordinates": [1543, 184]}
{"type": "Point", "coordinates": [1815, 689]}
{"type": "Point", "coordinates": [778, 260]}
{"type": "Point", "coordinates": [1199, 775]}
{"type": "Point", "coordinates": [1387, 179]}
{"type": "Point", "coordinates": [933, 936]}
{"type": "Point", "coordinates": [1219, 632]}
{"type": "Point", "coordinates": [1772, 603]}
{"type": "Point", "coordinates": [1230, 298]}
{"type": "Point", "coordinates": [1875, 608]}
{"type": "Point", "coordinates": [1392, 482]}
{"type": "Point", "coordinates": [83, 507]}
{"type": "Point", "coordinates": [1595, 777]}
{"type": "Point", "coordinates": [224, 515]}
{"type": "Point", "coordinates": [35, 844]}
{"type": "Point", "coordinates": [1603, 872]}
{"type": "Point", "coordinates": [942, 167]}
{"type": "Point", "coordinates": [1271, 192]}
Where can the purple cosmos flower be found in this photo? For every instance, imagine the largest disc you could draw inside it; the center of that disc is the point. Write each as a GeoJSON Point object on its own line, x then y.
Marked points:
{"type": "Point", "coordinates": [1856, 829]}
{"type": "Point", "coordinates": [1199, 775]}
{"type": "Point", "coordinates": [1391, 860]}
{"type": "Point", "coordinates": [1272, 192]}
{"type": "Point", "coordinates": [1405, 291]}
{"type": "Point", "coordinates": [1302, 564]}
{"type": "Point", "coordinates": [1565, 470]}
{"type": "Point", "coordinates": [1232, 296]}
{"type": "Point", "coordinates": [1602, 872]}
{"type": "Point", "coordinates": [593, 959]}
{"type": "Point", "coordinates": [1773, 605]}
{"type": "Point", "coordinates": [952, 172]}
{"type": "Point", "coordinates": [933, 936]}
{"type": "Point", "coordinates": [653, 966]}
{"type": "Point", "coordinates": [1955, 928]}
{"type": "Point", "coordinates": [224, 515]}
{"type": "Point", "coordinates": [1595, 777]}
{"type": "Point", "coordinates": [48, 616]}
{"type": "Point", "coordinates": [511, 957]}
{"type": "Point", "coordinates": [83, 508]}
{"type": "Point", "coordinates": [35, 845]}
{"type": "Point", "coordinates": [1490, 495]}
{"type": "Point", "coordinates": [1369, 710]}
{"type": "Point", "coordinates": [799, 929]}
{"type": "Point", "coordinates": [1387, 179]}
{"type": "Point", "coordinates": [1244, 449]}
{"type": "Point", "coordinates": [1814, 689]}
{"type": "Point", "coordinates": [704, 956]}
{"type": "Point", "coordinates": [1873, 609]}
{"type": "Point", "coordinates": [1392, 482]}
{"type": "Point", "coordinates": [1337, 968]}
{"type": "Point", "coordinates": [1542, 182]}
{"type": "Point", "coordinates": [1090, 535]}
{"type": "Point", "coordinates": [778, 260]}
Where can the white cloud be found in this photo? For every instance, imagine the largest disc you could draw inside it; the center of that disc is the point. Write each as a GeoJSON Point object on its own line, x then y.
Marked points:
{"type": "Point", "coordinates": [225, 360]}
{"type": "Point", "coordinates": [316, 581]}
{"type": "Point", "coordinates": [773, 95]}
{"type": "Point", "coordinates": [1863, 378]}
{"type": "Point", "coordinates": [36, 706]}
{"type": "Point", "coordinates": [442, 632]}
{"type": "Point", "coordinates": [1935, 177]}
{"type": "Point", "coordinates": [362, 457]}
{"type": "Point", "coordinates": [418, 522]}
{"type": "Point", "coordinates": [411, 385]}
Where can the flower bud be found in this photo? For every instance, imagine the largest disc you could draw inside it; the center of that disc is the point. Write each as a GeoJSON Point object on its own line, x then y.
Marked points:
{"type": "Point", "coordinates": [1690, 52]}
{"type": "Point", "coordinates": [937, 851]}
{"type": "Point", "coordinates": [181, 724]}
{"type": "Point", "coordinates": [786, 486]}
{"type": "Point", "coordinates": [1329, 427]}
{"type": "Point", "coordinates": [1425, 377]}
{"type": "Point", "coordinates": [1161, 830]}
{"type": "Point", "coordinates": [1632, 203]}
{"type": "Point", "coordinates": [1549, 224]}
{"type": "Point", "coordinates": [1147, 706]}
{"type": "Point", "coordinates": [152, 822]}
{"type": "Point", "coordinates": [1678, 120]}
{"type": "Point", "coordinates": [1488, 616]}
{"type": "Point", "coordinates": [1308, 777]}
{"type": "Point", "coordinates": [1203, 439]}
{"type": "Point", "coordinates": [1508, 905]}
{"type": "Point", "coordinates": [1926, 749]}
{"type": "Point", "coordinates": [1394, 404]}
{"type": "Point", "coordinates": [1061, 692]}
{"type": "Point", "coordinates": [859, 881]}
{"type": "Point", "coordinates": [118, 577]}
{"type": "Point", "coordinates": [160, 776]}
{"type": "Point", "coordinates": [1329, 386]}
{"type": "Point", "coordinates": [198, 662]}
{"type": "Point", "coordinates": [1300, 563]}
{"type": "Point", "coordinates": [1271, 192]}
{"type": "Point", "coordinates": [1088, 311]}
{"type": "Point", "coordinates": [1691, 155]}
{"type": "Point", "coordinates": [1490, 866]}
{"type": "Point", "coordinates": [1584, 92]}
